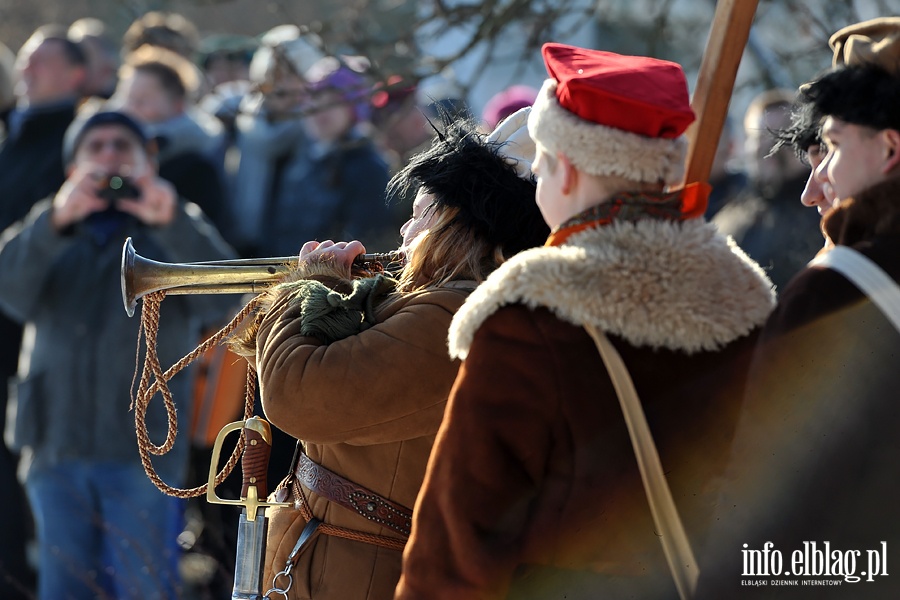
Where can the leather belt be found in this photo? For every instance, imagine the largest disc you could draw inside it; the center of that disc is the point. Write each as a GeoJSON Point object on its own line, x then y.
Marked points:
{"type": "Point", "coordinates": [364, 502]}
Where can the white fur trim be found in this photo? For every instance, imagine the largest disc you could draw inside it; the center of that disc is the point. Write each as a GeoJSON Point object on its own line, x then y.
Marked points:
{"type": "Point", "coordinates": [682, 286]}
{"type": "Point", "coordinates": [601, 150]}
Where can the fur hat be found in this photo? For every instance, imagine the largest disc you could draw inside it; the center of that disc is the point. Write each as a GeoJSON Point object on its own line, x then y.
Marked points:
{"type": "Point", "coordinates": [612, 114]}
{"type": "Point", "coordinates": [863, 94]}
{"type": "Point", "coordinates": [874, 41]}
{"type": "Point", "coordinates": [487, 177]}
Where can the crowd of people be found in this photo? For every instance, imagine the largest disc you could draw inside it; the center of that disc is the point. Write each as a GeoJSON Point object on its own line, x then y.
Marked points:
{"type": "Point", "coordinates": [578, 355]}
{"type": "Point", "coordinates": [254, 144]}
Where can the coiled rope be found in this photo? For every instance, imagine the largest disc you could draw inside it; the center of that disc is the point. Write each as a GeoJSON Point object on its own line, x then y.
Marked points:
{"type": "Point", "coordinates": [146, 391]}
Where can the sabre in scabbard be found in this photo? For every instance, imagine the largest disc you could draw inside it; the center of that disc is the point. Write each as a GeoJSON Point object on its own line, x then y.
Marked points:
{"type": "Point", "coordinates": [253, 524]}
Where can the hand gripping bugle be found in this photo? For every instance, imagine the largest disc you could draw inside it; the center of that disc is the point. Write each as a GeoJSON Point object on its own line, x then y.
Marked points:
{"type": "Point", "coordinates": [142, 276]}
{"type": "Point", "coordinates": [253, 524]}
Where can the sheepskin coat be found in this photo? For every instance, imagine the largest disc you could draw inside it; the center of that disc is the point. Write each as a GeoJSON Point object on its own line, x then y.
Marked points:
{"type": "Point", "coordinates": [532, 490]}
{"type": "Point", "coordinates": [366, 407]}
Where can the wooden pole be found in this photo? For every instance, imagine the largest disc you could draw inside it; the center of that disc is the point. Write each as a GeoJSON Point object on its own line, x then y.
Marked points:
{"type": "Point", "coordinates": [715, 82]}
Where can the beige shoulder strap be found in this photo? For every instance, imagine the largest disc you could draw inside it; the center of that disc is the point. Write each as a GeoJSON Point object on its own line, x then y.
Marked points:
{"type": "Point", "coordinates": [674, 540]}
{"type": "Point", "coordinates": [867, 276]}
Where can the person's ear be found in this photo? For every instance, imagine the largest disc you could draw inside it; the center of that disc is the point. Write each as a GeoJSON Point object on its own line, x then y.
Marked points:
{"type": "Point", "coordinates": [569, 173]}
{"type": "Point", "coordinates": [891, 140]}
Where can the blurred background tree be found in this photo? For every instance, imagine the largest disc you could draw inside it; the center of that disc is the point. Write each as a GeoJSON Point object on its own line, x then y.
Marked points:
{"type": "Point", "coordinates": [482, 46]}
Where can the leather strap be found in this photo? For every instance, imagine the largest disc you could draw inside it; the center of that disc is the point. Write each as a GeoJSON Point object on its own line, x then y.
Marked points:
{"type": "Point", "coordinates": [343, 492]}
{"type": "Point", "coordinates": [309, 530]}
{"type": "Point", "coordinates": [867, 276]}
{"type": "Point", "coordinates": [672, 535]}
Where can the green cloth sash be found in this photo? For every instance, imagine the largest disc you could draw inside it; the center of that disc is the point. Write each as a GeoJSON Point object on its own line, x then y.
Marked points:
{"type": "Point", "coordinates": [329, 315]}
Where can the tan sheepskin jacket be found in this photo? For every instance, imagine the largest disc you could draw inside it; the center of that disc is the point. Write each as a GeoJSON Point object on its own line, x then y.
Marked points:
{"type": "Point", "coordinates": [367, 407]}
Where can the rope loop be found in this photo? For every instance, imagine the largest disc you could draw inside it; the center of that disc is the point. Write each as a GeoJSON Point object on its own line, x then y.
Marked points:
{"type": "Point", "coordinates": [146, 390]}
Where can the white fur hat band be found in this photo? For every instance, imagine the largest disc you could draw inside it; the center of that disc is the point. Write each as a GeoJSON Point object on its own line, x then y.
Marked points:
{"type": "Point", "coordinates": [601, 150]}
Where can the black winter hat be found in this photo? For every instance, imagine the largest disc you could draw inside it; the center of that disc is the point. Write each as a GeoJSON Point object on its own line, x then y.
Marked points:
{"type": "Point", "coordinates": [77, 130]}
{"type": "Point", "coordinates": [486, 177]}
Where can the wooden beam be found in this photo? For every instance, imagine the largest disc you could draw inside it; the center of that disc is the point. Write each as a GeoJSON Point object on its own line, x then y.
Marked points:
{"type": "Point", "coordinates": [724, 48]}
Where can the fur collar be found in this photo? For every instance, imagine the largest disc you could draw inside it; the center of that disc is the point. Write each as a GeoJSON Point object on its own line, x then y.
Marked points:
{"type": "Point", "coordinates": [655, 283]}
{"type": "Point", "coordinates": [873, 212]}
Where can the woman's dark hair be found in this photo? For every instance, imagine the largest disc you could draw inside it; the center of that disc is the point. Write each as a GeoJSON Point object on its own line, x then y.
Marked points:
{"type": "Point", "coordinates": [803, 132]}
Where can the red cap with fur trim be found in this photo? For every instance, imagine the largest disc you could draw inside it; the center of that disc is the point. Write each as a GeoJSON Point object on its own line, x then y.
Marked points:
{"type": "Point", "coordinates": [612, 114]}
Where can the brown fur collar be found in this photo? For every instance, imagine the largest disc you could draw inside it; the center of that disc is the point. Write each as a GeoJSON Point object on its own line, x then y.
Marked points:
{"type": "Point", "coordinates": [660, 284]}
{"type": "Point", "coordinates": [873, 212]}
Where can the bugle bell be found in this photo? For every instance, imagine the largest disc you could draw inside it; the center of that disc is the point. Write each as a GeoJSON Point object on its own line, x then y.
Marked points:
{"type": "Point", "coordinates": [142, 276]}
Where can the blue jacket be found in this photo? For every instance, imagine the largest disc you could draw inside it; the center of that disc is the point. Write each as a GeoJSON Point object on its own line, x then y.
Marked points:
{"type": "Point", "coordinates": [335, 193]}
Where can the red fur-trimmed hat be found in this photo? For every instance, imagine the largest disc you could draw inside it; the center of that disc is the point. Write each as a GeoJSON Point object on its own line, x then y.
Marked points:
{"type": "Point", "coordinates": [612, 114]}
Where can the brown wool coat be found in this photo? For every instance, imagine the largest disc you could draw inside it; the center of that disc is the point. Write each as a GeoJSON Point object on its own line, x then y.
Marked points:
{"type": "Point", "coordinates": [533, 490]}
{"type": "Point", "coordinates": [368, 408]}
{"type": "Point", "coordinates": [822, 405]}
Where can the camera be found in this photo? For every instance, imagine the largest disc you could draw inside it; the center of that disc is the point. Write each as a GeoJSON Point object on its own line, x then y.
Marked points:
{"type": "Point", "coordinates": [116, 187]}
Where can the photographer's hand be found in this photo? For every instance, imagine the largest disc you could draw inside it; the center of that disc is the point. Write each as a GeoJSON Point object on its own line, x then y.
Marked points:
{"type": "Point", "coordinates": [156, 206]}
{"type": "Point", "coordinates": [77, 198]}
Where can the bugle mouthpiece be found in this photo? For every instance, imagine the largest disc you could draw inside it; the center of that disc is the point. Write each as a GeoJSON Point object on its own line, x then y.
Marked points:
{"type": "Point", "coordinates": [379, 257]}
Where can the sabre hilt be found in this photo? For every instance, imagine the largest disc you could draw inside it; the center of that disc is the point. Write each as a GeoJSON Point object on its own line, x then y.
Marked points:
{"type": "Point", "coordinates": [254, 463]}
{"type": "Point", "coordinates": [255, 460]}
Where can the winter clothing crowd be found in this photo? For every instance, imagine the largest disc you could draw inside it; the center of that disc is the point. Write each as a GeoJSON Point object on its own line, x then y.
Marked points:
{"type": "Point", "coordinates": [576, 356]}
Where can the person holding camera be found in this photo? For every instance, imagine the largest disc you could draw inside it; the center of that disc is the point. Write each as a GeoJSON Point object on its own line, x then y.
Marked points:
{"type": "Point", "coordinates": [102, 527]}
{"type": "Point", "coordinates": [110, 176]}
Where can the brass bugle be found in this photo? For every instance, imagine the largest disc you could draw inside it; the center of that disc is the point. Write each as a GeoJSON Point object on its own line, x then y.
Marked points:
{"type": "Point", "coordinates": [142, 276]}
